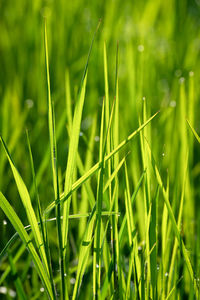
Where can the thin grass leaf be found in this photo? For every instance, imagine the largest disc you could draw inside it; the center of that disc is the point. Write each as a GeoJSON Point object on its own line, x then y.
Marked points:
{"type": "Point", "coordinates": [44, 232]}
{"type": "Point", "coordinates": [96, 167]}
{"type": "Point", "coordinates": [73, 145]}
{"type": "Point", "coordinates": [17, 224]}
{"type": "Point", "coordinates": [84, 252]}
{"type": "Point", "coordinates": [25, 197]}
{"type": "Point", "coordinates": [174, 224]}
{"type": "Point", "coordinates": [53, 151]}
{"type": "Point", "coordinates": [194, 131]}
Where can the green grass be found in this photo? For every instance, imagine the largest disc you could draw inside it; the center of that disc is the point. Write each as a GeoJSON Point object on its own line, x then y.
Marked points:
{"type": "Point", "coordinates": [99, 147]}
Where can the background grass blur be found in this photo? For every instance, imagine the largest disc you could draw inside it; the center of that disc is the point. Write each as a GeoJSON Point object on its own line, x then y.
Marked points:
{"type": "Point", "coordinates": [159, 47]}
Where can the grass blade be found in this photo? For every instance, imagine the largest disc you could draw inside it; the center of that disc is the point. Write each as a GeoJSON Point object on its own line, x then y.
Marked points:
{"type": "Point", "coordinates": [97, 166]}
{"type": "Point", "coordinates": [12, 216]}
{"type": "Point", "coordinates": [25, 197]}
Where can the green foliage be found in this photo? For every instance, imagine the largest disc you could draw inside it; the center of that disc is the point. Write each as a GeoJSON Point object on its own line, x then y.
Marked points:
{"type": "Point", "coordinates": [105, 198]}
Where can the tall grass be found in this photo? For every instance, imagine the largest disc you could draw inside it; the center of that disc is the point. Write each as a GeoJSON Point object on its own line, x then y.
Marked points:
{"type": "Point", "coordinates": [102, 190]}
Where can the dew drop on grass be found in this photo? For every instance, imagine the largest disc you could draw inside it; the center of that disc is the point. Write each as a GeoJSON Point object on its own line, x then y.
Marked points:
{"type": "Point", "coordinates": [42, 290]}
{"type": "Point", "coordinates": [29, 103]}
{"type": "Point", "coordinates": [158, 268]}
{"type": "Point", "coordinates": [140, 48]}
{"type": "Point", "coordinates": [5, 222]}
{"type": "Point", "coordinates": [81, 133]}
{"type": "Point", "coordinates": [97, 266]}
{"type": "Point", "coordinates": [166, 274]}
{"type": "Point", "coordinates": [181, 80]}
{"type": "Point", "coordinates": [96, 138]}
{"type": "Point", "coordinates": [172, 103]}
{"type": "Point", "coordinates": [65, 275]}
{"type": "Point", "coordinates": [72, 280]}
{"type": "Point", "coordinates": [143, 98]}
{"type": "Point", "coordinates": [191, 73]}
{"type": "Point", "coordinates": [163, 154]}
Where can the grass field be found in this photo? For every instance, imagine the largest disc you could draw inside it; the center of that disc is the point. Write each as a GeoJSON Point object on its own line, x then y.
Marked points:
{"type": "Point", "coordinates": [99, 149]}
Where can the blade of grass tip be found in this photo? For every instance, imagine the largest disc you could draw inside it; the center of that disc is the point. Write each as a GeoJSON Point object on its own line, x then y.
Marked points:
{"type": "Point", "coordinates": [45, 241]}
{"type": "Point", "coordinates": [96, 167]}
{"type": "Point", "coordinates": [73, 144]}
{"type": "Point", "coordinates": [114, 163]}
{"type": "Point", "coordinates": [173, 221]}
{"type": "Point", "coordinates": [17, 224]}
{"type": "Point", "coordinates": [108, 139]}
{"type": "Point", "coordinates": [17, 281]}
{"type": "Point", "coordinates": [25, 197]}
{"type": "Point", "coordinates": [53, 151]}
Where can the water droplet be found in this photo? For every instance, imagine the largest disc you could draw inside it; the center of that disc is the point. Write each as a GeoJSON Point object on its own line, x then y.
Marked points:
{"type": "Point", "coordinates": [29, 103]}
{"type": "Point", "coordinates": [97, 266]}
{"type": "Point", "coordinates": [3, 290]}
{"type": "Point", "coordinates": [139, 248]}
{"type": "Point", "coordinates": [143, 98]}
{"type": "Point", "coordinates": [191, 73]}
{"type": "Point", "coordinates": [172, 103]}
{"type": "Point", "coordinates": [181, 80]}
{"type": "Point", "coordinates": [5, 222]}
{"type": "Point", "coordinates": [163, 154]}
{"type": "Point", "coordinates": [166, 274]}
{"type": "Point", "coordinates": [158, 267]}
{"type": "Point", "coordinates": [72, 280]}
{"type": "Point", "coordinates": [140, 48]}
{"type": "Point", "coordinates": [12, 293]}
{"type": "Point", "coordinates": [81, 133]}
{"type": "Point", "coordinates": [42, 290]}
{"type": "Point", "coordinates": [110, 227]}
{"type": "Point", "coordinates": [65, 275]}
{"type": "Point", "coordinates": [97, 138]}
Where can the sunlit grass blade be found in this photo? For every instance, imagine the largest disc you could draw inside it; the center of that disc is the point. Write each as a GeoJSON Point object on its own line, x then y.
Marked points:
{"type": "Point", "coordinates": [12, 216]}
{"type": "Point", "coordinates": [194, 131]}
{"type": "Point", "coordinates": [84, 252]}
{"type": "Point", "coordinates": [73, 144]}
{"type": "Point", "coordinates": [41, 221]}
{"type": "Point", "coordinates": [99, 198]}
{"type": "Point", "coordinates": [96, 167]}
{"type": "Point", "coordinates": [25, 197]}
{"type": "Point", "coordinates": [174, 224]}
{"type": "Point", "coordinates": [53, 151]}
{"type": "Point", "coordinates": [174, 252]}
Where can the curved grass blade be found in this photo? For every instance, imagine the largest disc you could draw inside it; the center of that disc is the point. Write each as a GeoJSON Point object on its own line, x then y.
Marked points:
{"type": "Point", "coordinates": [25, 197]}
{"type": "Point", "coordinates": [53, 150]}
{"type": "Point", "coordinates": [97, 166]}
{"type": "Point", "coordinates": [17, 224]}
{"type": "Point", "coordinates": [41, 221]}
{"type": "Point", "coordinates": [73, 144]}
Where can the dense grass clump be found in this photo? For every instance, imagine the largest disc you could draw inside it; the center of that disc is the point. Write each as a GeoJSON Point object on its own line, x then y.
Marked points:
{"type": "Point", "coordinates": [99, 144]}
